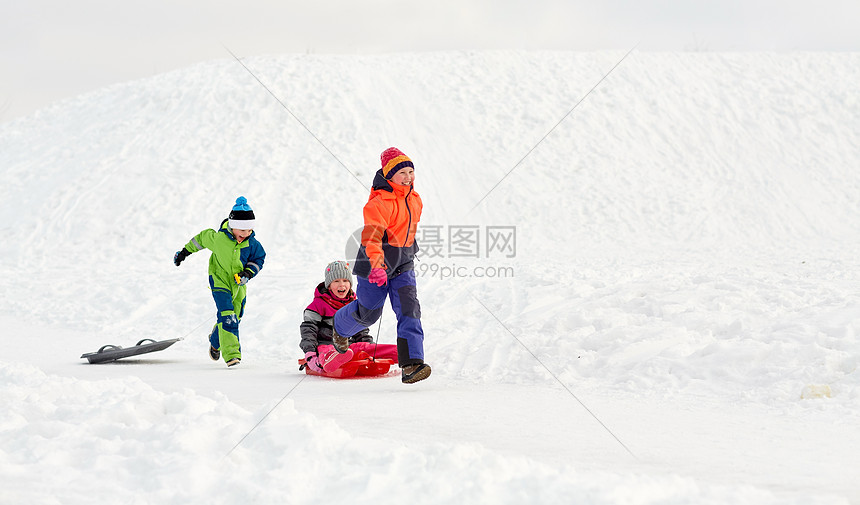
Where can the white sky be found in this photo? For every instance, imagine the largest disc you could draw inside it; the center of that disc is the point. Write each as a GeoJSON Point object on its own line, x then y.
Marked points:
{"type": "Point", "coordinates": [53, 49]}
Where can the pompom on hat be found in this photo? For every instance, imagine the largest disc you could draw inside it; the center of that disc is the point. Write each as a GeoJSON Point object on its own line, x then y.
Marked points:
{"type": "Point", "coordinates": [393, 160]}
{"type": "Point", "coordinates": [337, 270]}
{"type": "Point", "coordinates": [241, 217]}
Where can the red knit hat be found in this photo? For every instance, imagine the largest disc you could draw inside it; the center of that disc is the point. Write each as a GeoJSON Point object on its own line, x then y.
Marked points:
{"type": "Point", "coordinates": [393, 160]}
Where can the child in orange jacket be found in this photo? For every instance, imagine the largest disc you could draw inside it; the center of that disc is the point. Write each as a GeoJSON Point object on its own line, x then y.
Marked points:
{"type": "Point", "coordinates": [384, 265]}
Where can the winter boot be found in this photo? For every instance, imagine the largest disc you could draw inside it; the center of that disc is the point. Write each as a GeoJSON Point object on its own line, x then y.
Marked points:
{"type": "Point", "coordinates": [215, 354]}
{"type": "Point", "coordinates": [333, 360]}
{"type": "Point", "coordinates": [341, 344]}
{"type": "Point", "coordinates": [234, 361]}
{"type": "Point", "coordinates": [415, 372]}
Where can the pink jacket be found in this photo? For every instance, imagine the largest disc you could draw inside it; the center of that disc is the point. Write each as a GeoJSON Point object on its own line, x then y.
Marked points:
{"type": "Point", "coordinates": [316, 327]}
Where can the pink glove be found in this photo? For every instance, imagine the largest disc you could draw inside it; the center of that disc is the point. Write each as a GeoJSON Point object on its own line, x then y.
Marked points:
{"type": "Point", "coordinates": [313, 362]}
{"type": "Point", "coordinates": [378, 276]}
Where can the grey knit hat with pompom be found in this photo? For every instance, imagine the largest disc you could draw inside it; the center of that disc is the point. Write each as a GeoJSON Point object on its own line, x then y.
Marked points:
{"type": "Point", "coordinates": [337, 270]}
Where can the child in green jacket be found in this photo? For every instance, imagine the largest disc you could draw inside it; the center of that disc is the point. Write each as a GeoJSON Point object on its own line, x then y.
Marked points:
{"type": "Point", "coordinates": [236, 257]}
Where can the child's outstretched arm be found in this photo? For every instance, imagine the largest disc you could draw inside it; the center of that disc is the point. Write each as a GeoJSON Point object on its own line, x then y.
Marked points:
{"type": "Point", "coordinates": [193, 245]}
{"type": "Point", "coordinates": [203, 240]}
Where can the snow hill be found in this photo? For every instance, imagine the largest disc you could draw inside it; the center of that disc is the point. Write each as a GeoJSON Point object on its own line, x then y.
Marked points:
{"type": "Point", "coordinates": [649, 296]}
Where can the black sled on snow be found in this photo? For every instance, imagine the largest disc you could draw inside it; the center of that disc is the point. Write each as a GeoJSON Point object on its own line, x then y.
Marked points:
{"type": "Point", "coordinates": [109, 352]}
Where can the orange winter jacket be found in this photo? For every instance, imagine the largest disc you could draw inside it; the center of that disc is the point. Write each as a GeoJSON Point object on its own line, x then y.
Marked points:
{"type": "Point", "coordinates": [391, 217]}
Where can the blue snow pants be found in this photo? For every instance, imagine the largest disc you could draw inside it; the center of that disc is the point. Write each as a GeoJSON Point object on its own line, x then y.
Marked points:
{"type": "Point", "coordinates": [231, 308]}
{"type": "Point", "coordinates": [367, 308]}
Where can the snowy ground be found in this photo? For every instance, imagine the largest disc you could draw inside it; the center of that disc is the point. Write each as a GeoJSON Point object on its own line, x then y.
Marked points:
{"type": "Point", "coordinates": [685, 271]}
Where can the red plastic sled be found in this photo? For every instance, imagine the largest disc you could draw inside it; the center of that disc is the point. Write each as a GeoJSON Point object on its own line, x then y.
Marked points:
{"type": "Point", "coordinates": [360, 365]}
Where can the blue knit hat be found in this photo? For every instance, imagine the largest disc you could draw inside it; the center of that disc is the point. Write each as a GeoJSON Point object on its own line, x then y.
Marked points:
{"type": "Point", "coordinates": [241, 217]}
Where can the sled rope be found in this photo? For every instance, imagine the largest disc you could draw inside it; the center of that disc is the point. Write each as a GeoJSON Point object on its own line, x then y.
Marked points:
{"type": "Point", "coordinates": [320, 142]}
{"type": "Point", "coordinates": [376, 342]}
{"type": "Point", "coordinates": [265, 416]}
{"type": "Point", "coordinates": [554, 376]}
{"type": "Point", "coordinates": [196, 327]}
{"type": "Point", "coordinates": [553, 128]}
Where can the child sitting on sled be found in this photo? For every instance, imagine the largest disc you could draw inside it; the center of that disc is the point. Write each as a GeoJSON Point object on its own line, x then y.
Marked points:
{"type": "Point", "coordinates": [316, 328]}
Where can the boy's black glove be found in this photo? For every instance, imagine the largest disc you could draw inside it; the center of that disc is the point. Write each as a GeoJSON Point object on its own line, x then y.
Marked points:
{"type": "Point", "coordinates": [244, 276]}
{"type": "Point", "coordinates": [180, 256]}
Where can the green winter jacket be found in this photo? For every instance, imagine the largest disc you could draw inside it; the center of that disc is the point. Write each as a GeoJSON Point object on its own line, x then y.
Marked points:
{"type": "Point", "coordinates": [228, 256]}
